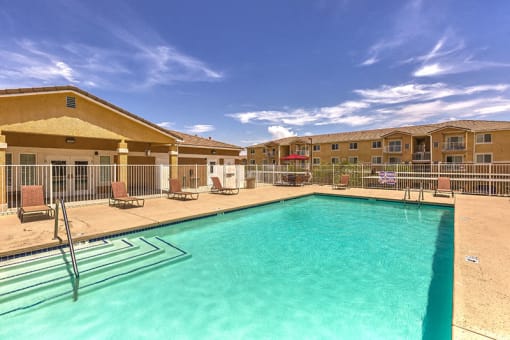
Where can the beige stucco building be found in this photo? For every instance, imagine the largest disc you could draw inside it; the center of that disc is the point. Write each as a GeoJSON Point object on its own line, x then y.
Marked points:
{"type": "Point", "coordinates": [463, 141]}
{"type": "Point", "coordinates": [70, 130]}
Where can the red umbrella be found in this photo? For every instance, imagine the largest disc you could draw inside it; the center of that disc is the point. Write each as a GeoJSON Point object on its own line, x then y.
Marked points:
{"type": "Point", "coordinates": [294, 157]}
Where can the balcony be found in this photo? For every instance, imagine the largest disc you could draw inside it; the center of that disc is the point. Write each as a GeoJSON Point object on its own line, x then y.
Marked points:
{"type": "Point", "coordinates": [454, 146]}
{"type": "Point", "coordinates": [421, 156]}
{"type": "Point", "coordinates": [270, 154]}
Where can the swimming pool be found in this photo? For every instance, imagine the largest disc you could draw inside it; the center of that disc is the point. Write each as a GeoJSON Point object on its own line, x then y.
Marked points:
{"type": "Point", "coordinates": [314, 267]}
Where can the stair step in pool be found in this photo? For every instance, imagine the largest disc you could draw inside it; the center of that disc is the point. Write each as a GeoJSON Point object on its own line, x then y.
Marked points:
{"type": "Point", "coordinates": [30, 282]}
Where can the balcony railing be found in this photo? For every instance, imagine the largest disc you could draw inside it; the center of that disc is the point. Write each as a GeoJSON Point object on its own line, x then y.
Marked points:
{"type": "Point", "coordinates": [301, 152]}
{"type": "Point", "coordinates": [452, 146]}
{"type": "Point", "coordinates": [421, 156]}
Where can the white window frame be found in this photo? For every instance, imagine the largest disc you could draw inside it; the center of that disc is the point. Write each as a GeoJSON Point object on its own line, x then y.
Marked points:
{"type": "Point", "coordinates": [252, 151]}
{"type": "Point", "coordinates": [252, 162]}
{"type": "Point", "coordinates": [378, 143]}
{"type": "Point", "coordinates": [316, 161]}
{"type": "Point", "coordinates": [335, 160]}
{"type": "Point", "coordinates": [396, 160]}
{"type": "Point", "coordinates": [483, 154]}
{"type": "Point", "coordinates": [483, 134]}
{"type": "Point", "coordinates": [461, 159]}
{"type": "Point", "coordinates": [335, 146]}
{"type": "Point", "coordinates": [351, 144]}
{"type": "Point", "coordinates": [378, 159]}
{"type": "Point", "coordinates": [316, 147]}
{"type": "Point", "coordinates": [353, 160]}
{"type": "Point", "coordinates": [392, 145]}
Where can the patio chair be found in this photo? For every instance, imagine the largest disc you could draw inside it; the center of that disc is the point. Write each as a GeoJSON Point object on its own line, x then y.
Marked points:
{"type": "Point", "coordinates": [122, 198]}
{"type": "Point", "coordinates": [444, 186]}
{"type": "Point", "coordinates": [32, 202]}
{"type": "Point", "coordinates": [220, 189]}
{"type": "Point", "coordinates": [176, 191]}
{"type": "Point", "coordinates": [344, 182]}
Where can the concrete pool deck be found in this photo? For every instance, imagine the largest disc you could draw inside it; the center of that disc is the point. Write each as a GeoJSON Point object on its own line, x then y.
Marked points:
{"type": "Point", "coordinates": [481, 290]}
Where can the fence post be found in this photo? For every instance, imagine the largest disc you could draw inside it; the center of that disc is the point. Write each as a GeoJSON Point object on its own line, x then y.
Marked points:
{"type": "Point", "coordinates": [362, 177]}
{"type": "Point", "coordinates": [490, 179]}
{"type": "Point", "coordinates": [51, 183]}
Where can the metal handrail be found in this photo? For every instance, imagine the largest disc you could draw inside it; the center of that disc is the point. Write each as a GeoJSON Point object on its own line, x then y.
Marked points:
{"type": "Point", "coordinates": [68, 232]}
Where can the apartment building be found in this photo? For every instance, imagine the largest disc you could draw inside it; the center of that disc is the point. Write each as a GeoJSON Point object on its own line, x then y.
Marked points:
{"type": "Point", "coordinates": [462, 141]}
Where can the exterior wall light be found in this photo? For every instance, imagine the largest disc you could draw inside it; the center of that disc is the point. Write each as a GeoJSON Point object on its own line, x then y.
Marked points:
{"type": "Point", "coordinates": [70, 140]}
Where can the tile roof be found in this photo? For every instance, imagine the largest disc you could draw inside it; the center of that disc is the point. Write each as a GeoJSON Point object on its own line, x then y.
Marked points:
{"type": "Point", "coordinates": [415, 130]}
{"type": "Point", "coordinates": [89, 95]}
{"type": "Point", "coordinates": [192, 140]}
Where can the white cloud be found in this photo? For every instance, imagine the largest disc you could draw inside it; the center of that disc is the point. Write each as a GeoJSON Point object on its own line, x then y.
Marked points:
{"type": "Point", "coordinates": [397, 105]}
{"type": "Point", "coordinates": [431, 70]}
{"type": "Point", "coordinates": [278, 132]}
{"type": "Point", "coordinates": [166, 125]}
{"type": "Point", "coordinates": [370, 61]}
{"type": "Point", "coordinates": [200, 128]}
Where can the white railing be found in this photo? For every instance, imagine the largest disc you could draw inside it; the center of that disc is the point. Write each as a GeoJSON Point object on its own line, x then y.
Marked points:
{"type": "Point", "coordinates": [90, 183]}
{"type": "Point", "coordinates": [481, 179]}
{"type": "Point", "coordinates": [86, 184]}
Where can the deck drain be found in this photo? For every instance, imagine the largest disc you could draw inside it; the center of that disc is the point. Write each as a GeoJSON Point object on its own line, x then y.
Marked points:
{"type": "Point", "coordinates": [471, 258]}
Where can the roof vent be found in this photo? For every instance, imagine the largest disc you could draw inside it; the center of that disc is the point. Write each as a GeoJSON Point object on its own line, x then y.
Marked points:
{"type": "Point", "coordinates": [71, 102]}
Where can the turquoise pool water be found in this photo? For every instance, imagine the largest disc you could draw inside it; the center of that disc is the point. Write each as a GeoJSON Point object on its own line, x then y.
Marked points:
{"type": "Point", "coordinates": [317, 267]}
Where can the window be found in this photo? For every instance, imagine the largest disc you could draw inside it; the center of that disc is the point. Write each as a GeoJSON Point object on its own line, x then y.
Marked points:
{"type": "Point", "coordinates": [376, 160]}
{"type": "Point", "coordinates": [406, 146]}
{"type": "Point", "coordinates": [104, 169]}
{"type": "Point", "coordinates": [454, 159]}
{"type": "Point", "coordinates": [483, 138]}
{"type": "Point", "coordinates": [252, 161]}
{"type": "Point", "coordinates": [335, 160]}
{"type": "Point", "coordinates": [8, 165]}
{"type": "Point", "coordinates": [394, 160]}
{"type": "Point", "coordinates": [316, 147]}
{"type": "Point", "coordinates": [316, 160]}
{"type": "Point", "coordinates": [484, 158]}
{"type": "Point", "coordinates": [436, 145]}
{"type": "Point", "coordinates": [454, 143]}
{"type": "Point", "coordinates": [353, 146]}
{"type": "Point", "coordinates": [211, 167]}
{"type": "Point", "coordinates": [274, 161]}
{"type": "Point", "coordinates": [264, 150]}
{"type": "Point", "coordinates": [395, 146]}
{"type": "Point", "coordinates": [377, 144]}
{"type": "Point", "coordinates": [252, 151]}
{"type": "Point", "coordinates": [334, 147]}
{"type": "Point", "coordinates": [27, 162]}
{"type": "Point", "coordinates": [353, 160]}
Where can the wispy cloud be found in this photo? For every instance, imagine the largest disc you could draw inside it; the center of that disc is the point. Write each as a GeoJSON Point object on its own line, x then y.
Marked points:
{"type": "Point", "coordinates": [166, 125]}
{"type": "Point", "coordinates": [277, 132]}
{"type": "Point", "coordinates": [127, 55]}
{"type": "Point", "coordinates": [199, 128]}
{"type": "Point", "coordinates": [386, 105]}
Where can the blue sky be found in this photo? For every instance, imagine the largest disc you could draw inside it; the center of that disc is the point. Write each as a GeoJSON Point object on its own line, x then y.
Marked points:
{"type": "Point", "coordinates": [245, 72]}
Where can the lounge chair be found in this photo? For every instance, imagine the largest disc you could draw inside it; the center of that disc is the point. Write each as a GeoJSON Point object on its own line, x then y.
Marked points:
{"type": "Point", "coordinates": [344, 182]}
{"type": "Point", "coordinates": [122, 198]}
{"type": "Point", "coordinates": [176, 191]}
{"type": "Point", "coordinates": [444, 186]}
{"type": "Point", "coordinates": [32, 202]}
{"type": "Point", "coordinates": [220, 189]}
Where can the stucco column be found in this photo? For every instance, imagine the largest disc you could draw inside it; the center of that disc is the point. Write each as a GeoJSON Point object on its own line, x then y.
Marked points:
{"type": "Point", "coordinates": [173, 160]}
{"type": "Point", "coordinates": [3, 173]}
{"type": "Point", "coordinates": [122, 150]}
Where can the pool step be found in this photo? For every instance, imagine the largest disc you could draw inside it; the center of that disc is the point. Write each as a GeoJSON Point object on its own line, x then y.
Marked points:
{"type": "Point", "coordinates": [29, 282]}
